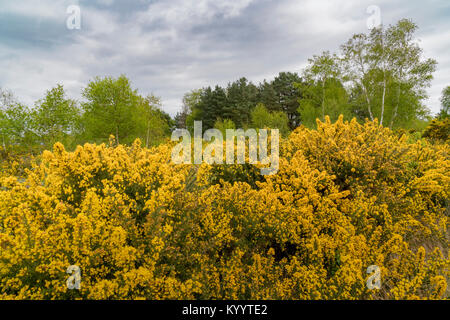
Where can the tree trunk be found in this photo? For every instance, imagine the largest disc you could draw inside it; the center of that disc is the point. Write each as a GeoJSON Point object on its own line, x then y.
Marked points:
{"type": "Point", "coordinates": [368, 101]}
{"type": "Point", "coordinates": [323, 99]}
{"type": "Point", "coordinates": [384, 80]}
{"type": "Point", "coordinates": [366, 94]}
{"type": "Point", "coordinates": [148, 135]}
{"type": "Point", "coordinates": [396, 107]}
{"type": "Point", "coordinates": [382, 99]}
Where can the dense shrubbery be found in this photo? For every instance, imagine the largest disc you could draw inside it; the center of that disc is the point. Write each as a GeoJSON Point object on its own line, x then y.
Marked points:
{"type": "Point", "coordinates": [346, 196]}
{"type": "Point", "coordinates": [438, 130]}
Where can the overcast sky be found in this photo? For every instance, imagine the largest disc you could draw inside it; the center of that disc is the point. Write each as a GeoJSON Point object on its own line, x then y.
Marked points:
{"type": "Point", "coordinates": [170, 47]}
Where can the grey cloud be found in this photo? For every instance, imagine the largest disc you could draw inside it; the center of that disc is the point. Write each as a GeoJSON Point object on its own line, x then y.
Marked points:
{"type": "Point", "coordinates": [171, 47]}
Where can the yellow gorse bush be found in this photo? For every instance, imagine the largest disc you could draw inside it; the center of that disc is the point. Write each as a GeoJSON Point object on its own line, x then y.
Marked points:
{"type": "Point", "coordinates": [346, 196]}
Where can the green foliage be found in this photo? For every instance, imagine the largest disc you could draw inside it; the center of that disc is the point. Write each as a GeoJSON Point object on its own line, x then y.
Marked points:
{"type": "Point", "coordinates": [55, 118]}
{"type": "Point", "coordinates": [113, 107]}
{"type": "Point", "coordinates": [445, 102]}
{"type": "Point", "coordinates": [190, 100]}
{"type": "Point", "coordinates": [209, 107]}
{"type": "Point", "coordinates": [237, 100]}
{"type": "Point", "coordinates": [287, 95]}
{"type": "Point", "coordinates": [263, 118]}
{"type": "Point", "coordinates": [322, 91]}
{"type": "Point", "coordinates": [241, 98]}
{"type": "Point", "coordinates": [195, 115]}
{"type": "Point", "coordinates": [223, 125]}
{"type": "Point", "coordinates": [109, 110]}
{"type": "Point", "coordinates": [387, 74]}
{"type": "Point", "coordinates": [152, 124]}
{"type": "Point", "coordinates": [14, 123]}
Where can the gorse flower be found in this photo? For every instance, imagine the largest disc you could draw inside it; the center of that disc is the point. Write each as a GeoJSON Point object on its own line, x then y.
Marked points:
{"type": "Point", "coordinates": [346, 196]}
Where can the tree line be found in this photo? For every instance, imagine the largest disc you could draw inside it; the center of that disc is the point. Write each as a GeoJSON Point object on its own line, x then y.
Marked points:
{"type": "Point", "coordinates": [110, 107]}
{"type": "Point", "coordinates": [378, 75]}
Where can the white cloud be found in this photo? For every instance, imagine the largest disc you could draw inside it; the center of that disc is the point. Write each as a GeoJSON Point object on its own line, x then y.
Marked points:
{"type": "Point", "coordinates": [105, 2]}
{"type": "Point", "coordinates": [42, 9]}
{"type": "Point", "coordinates": [188, 12]}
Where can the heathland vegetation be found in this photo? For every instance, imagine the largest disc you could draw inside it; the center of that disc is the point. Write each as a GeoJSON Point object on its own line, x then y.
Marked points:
{"type": "Point", "coordinates": [363, 179]}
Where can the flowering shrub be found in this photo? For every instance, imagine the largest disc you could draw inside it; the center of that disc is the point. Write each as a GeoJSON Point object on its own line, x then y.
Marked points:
{"type": "Point", "coordinates": [346, 196]}
{"type": "Point", "coordinates": [12, 163]}
{"type": "Point", "coordinates": [438, 130]}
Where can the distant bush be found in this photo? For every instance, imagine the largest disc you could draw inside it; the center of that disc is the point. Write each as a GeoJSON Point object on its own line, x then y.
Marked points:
{"type": "Point", "coordinates": [438, 130]}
